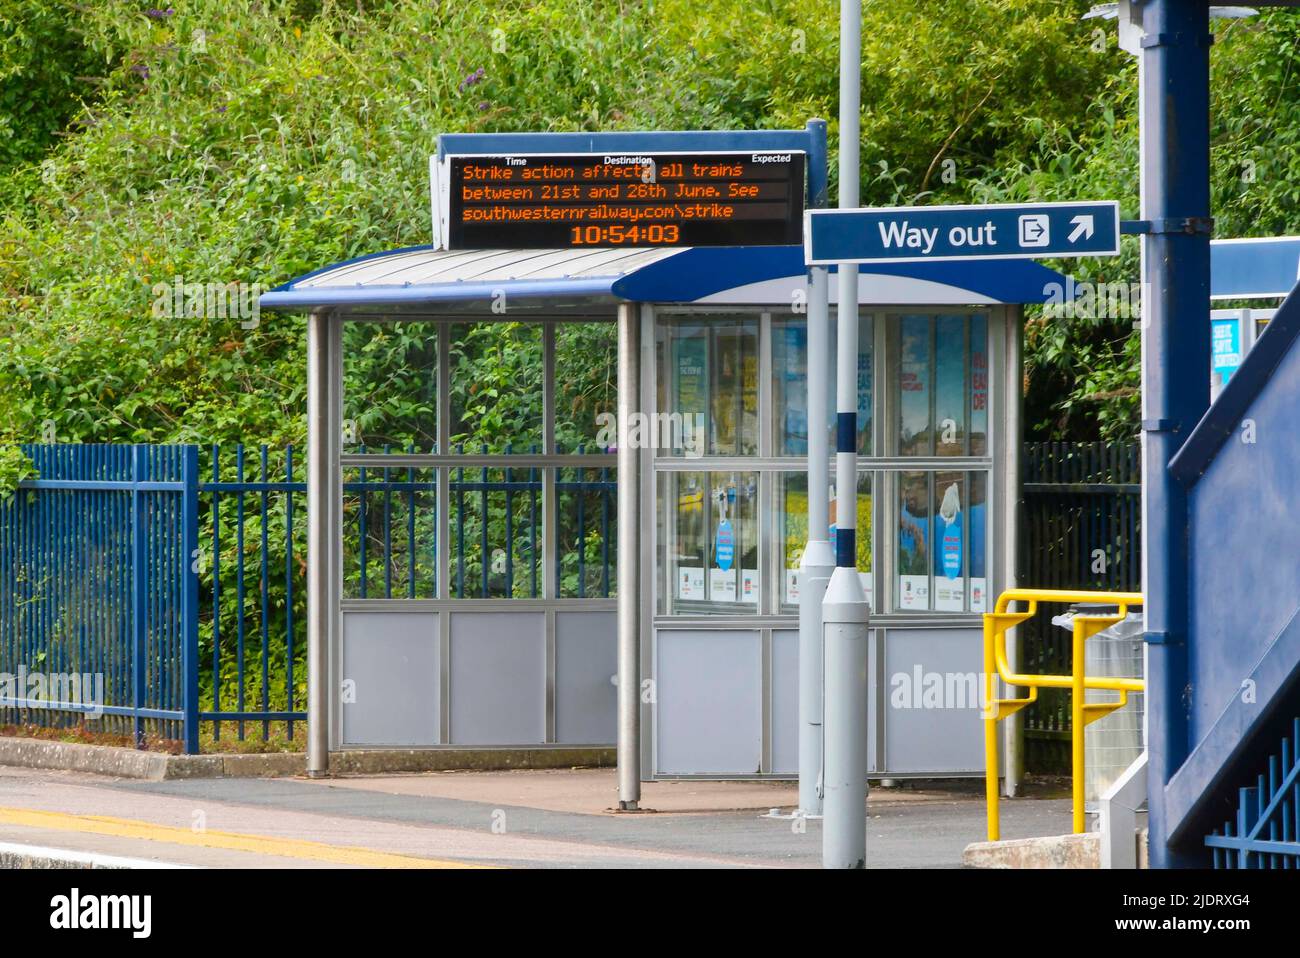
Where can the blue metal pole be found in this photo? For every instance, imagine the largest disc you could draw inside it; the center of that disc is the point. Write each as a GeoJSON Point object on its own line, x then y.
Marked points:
{"type": "Point", "coordinates": [190, 595]}
{"type": "Point", "coordinates": [1175, 356]}
{"type": "Point", "coordinates": [139, 588]}
{"type": "Point", "coordinates": [533, 563]}
{"type": "Point", "coordinates": [265, 583]}
{"type": "Point", "coordinates": [8, 511]}
{"type": "Point", "coordinates": [216, 590]}
{"type": "Point", "coordinates": [410, 528]}
{"type": "Point", "coordinates": [484, 558]}
{"type": "Point", "coordinates": [240, 624]}
{"type": "Point", "coordinates": [362, 535]}
{"type": "Point", "coordinates": [166, 655]}
{"type": "Point", "coordinates": [818, 165]}
{"type": "Point", "coordinates": [388, 527]}
{"type": "Point", "coordinates": [604, 533]}
{"type": "Point", "coordinates": [582, 532]}
{"type": "Point", "coordinates": [288, 585]}
{"type": "Point", "coordinates": [510, 528]}
{"type": "Point", "coordinates": [460, 528]}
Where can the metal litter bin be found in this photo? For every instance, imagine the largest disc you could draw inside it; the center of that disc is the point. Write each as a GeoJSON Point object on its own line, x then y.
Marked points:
{"type": "Point", "coordinates": [1115, 741]}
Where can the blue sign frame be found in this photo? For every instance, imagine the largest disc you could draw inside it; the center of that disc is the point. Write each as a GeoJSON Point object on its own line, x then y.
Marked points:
{"type": "Point", "coordinates": [811, 140]}
{"type": "Point", "coordinates": [943, 233]}
{"type": "Point", "coordinates": [1255, 267]}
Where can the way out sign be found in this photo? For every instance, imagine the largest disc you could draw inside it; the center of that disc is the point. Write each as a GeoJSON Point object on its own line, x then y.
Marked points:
{"type": "Point", "coordinates": [935, 233]}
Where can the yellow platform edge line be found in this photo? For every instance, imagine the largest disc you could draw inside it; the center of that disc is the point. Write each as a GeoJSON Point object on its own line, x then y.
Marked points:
{"type": "Point", "coordinates": [232, 841]}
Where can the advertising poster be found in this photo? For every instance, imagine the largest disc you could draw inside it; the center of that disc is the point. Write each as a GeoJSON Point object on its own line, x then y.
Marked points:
{"type": "Point", "coordinates": [914, 545]}
{"type": "Point", "coordinates": [690, 582]}
{"type": "Point", "coordinates": [949, 583]}
{"type": "Point", "coordinates": [1225, 352]}
{"type": "Point", "coordinates": [914, 387]}
{"type": "Point", "coordinates": [689, 353]}
{"type": "Point", "coordinates": [913, 592]}
{"type": "Point", "coordinates": [722, 585]}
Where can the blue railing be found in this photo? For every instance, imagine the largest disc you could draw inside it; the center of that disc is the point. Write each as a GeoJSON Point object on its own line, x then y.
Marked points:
{"type": "Point", "coordinates": [274, 615]}
{"type": "Point", "coordinates": [96, 590]}
{"type": "Point", "coordinates": [520, 524]}
{"type": "Point", "coordinates": [113, 543]}
{"type": "Point", "coordinates": [1266, 833]}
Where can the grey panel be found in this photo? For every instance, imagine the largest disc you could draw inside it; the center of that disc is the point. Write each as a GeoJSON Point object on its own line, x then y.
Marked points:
{"type": "Point", "coordinates": [931, 700]}
{"type": "Point", "coordinates": [709, 714]}
{"type": "Point", "coordinates": [586, 657]}
{"type": "Point", "coordinates": [785, 701]}
{"type": "Point", "coordinates": [875, 721]}
{"type": "Point", "coordinates": [498, 678]}
{"type": "Point", "coordinates": [392, 660]}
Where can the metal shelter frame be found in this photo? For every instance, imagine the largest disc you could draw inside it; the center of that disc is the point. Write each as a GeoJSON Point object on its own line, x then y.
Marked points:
{"type": "Point", "coordinates": [624, 286]}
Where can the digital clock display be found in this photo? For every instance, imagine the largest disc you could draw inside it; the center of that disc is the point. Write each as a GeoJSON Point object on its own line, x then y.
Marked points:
{"type": "Point", "coordinates": [535, 201]}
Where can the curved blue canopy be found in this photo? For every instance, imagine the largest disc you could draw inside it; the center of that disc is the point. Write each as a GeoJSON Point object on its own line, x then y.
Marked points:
{"type": "Point", "coordinates": [424, 276]}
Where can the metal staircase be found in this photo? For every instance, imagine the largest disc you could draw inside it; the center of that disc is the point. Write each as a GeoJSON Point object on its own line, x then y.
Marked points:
{"type": "Point", "coordinates": [1266, 832]}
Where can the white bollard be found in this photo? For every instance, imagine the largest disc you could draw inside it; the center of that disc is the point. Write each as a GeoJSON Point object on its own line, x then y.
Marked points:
{"type": "Point", "coordinates": [845, 621]}
{"type": "Point", "coordinates": [814, 574]}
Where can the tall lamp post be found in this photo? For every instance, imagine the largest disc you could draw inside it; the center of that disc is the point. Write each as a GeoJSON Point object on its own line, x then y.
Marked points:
{"type": "Point", "coordinates": [844, 609]}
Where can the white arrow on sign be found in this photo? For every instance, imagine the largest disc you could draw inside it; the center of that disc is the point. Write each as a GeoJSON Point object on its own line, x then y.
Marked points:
{"type": "Point", "coordinates": [1083, 226]}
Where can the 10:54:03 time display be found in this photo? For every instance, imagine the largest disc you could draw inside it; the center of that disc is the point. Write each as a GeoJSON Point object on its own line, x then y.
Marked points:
{"type": "Point", "coordinates": [617, 234]}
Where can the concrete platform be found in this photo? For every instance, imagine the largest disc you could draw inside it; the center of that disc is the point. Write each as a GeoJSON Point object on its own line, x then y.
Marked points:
{"type": "Point", "coordinates": [529, 819]}
{"type": "Point", "coordinates": [29, 857]}
{"type": "Point", "coordinates": [1053, 851]}
{"type": "Point", "coordinates": [161, 766]}
{"type": "Point", "coordinates": [595, 791]}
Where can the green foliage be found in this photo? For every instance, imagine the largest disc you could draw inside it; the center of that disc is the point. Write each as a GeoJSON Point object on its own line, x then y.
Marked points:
{"type": "Point", "coordinates": [14, 468]}
{"type": "Point", "coordinates": [586, 374]}
{"type": "Point", "coordinates": [496, 387]}
{"type": "Point", "coordinates": [1083, 375]}
{"type": "Point", "coordinates": [46, 71]}
{"type": "Point", "coordinates": [241, 141]}
{"type": "Point", "coordinates": [250, 141]}
{"type": "Point", "coordinates": [390, 385]}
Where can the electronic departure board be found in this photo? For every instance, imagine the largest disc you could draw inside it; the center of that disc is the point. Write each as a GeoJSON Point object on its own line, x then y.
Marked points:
{"type": "Point", "coordinates": [535, 201]}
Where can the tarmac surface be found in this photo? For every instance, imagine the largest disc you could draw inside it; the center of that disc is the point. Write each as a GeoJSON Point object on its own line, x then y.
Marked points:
{"type": "Point", "coordinates": [529, 819]}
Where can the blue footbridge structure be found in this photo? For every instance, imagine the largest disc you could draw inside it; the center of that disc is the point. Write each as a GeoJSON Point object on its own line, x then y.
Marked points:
{"type": "Point", "coordinates": [1234, 801]}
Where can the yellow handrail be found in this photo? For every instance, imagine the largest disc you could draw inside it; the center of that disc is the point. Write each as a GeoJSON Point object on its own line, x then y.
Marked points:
{"type": "Point", "coordinates": [996, 625]}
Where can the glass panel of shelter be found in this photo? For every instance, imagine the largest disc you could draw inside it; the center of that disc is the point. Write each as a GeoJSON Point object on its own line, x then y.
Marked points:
{"type": "Point", "coordinates": [390, 387]}
{"type": "Point", "coordinates": [542, 390]}
{"type": "Point", "coordinates": [789, 389]}
{"type": "Point", "coordinates": [941, 541]}
{"type": "Point", "coordinates": [939, 521]}
{"type": "Point", "coordinates": [935, 367]}
{"type": "Point", "coordinates": [715, 388]}
{"type": "Point", "coordinates": [717, 541]}
{"type": "Point", "coordinates": [713, 541]}
{"type": "Point", "coordinates": [707, 386]}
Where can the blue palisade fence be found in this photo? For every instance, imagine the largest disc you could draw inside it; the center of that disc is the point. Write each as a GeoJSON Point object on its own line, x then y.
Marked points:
{"type": "Point", "coordinates": [187, 598]}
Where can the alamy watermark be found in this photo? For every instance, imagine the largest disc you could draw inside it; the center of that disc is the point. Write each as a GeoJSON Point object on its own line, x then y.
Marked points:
{"type": "Point", "coordinates": [921, 689]}
{"type": "Point", "coordinates": [671, 431]}
{"type": "Point", "coordinates": [181, 300]}
{"type": "Point", "coordinates": [77, 911]}
{"type": "Point", "coordinates": [1102, 301]}
{"type": "Point", "coordinates": [82, 691]}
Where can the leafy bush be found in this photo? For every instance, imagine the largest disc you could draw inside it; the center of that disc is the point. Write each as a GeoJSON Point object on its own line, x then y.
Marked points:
{"type": "Point", "coordinates": [251, 141]}
{"type": "Point", "coordinates": [46, 73]}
